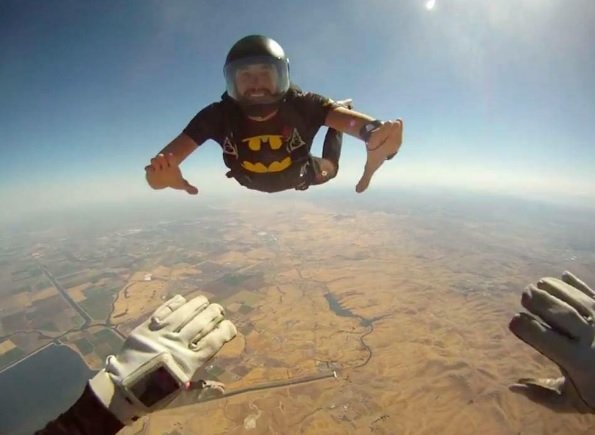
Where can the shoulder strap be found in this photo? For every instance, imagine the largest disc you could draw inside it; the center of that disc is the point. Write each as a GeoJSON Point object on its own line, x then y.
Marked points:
{"type": "Point", "coordinates": [298, 149]}
{"type": "Point", "coordinates": [232, 117]}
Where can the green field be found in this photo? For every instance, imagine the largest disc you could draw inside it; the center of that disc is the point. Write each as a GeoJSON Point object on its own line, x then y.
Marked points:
{"type": "Point", "coordinates": [245, 309]}
{"type": "Point", "coordinates": [84, 346]}
{"type": "Point", "coordinates": [48, 326]}
{"type": "Point", "coordinates": [105, 342]}
{"type": "Point", "coordinates": [75, 279]}
{"type": "Point", "coordinates": [246, 329]}
{"type": "Point", "coordinates": [234, 279]}
{"type": "Point", "coordinates": [41, 284]}
{"type": "Point", "coordinates": [11, 356]}
{"type": "Point", "coordinates": [98, 305]}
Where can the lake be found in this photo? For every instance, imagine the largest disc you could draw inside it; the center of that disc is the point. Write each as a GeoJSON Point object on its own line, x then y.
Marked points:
{"type": "Point", "coordinates": [40, 388]}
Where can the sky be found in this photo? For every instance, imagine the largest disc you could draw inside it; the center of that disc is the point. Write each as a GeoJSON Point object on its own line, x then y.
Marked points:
{"type": "Point", "coordinates": [496, 96]}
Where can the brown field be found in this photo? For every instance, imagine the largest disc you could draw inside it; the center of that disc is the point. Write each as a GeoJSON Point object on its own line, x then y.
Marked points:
{"type": "Point", "coordinates": [43, 294]}
{"type": "Point", "coordinates": [15, 322]}
{"type": "Point", "coordinates": [28, 342]}
{"type": "Point", "coordinates": [15, 303]}
{"type": "Point", "coordinates": [76, 293]}
{"type": "Point", "coordinates": [143, 298]}
{"type": "Point", "coordinates": [5, 346]}
{"type": "Point", "coordinates": [235, 257]}
{"type": "Point", "coordinates": [183, 271]}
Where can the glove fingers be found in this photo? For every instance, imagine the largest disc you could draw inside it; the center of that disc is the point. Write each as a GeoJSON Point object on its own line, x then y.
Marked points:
{"type": "Point", "coordinates": [557, 313]}
{"type": "Point", "coordinates": [161, 313]}
{"type": "Point", "coordinates": [573, 280]}
{"type": "Point", "coordinates": [210, 344]}
{"type": "Point", "coordinates": [572, 296]}
{"type": "Point", "coordinates": [203, 323]}
{"type": "Point", "coordinates": [177, 319]}
{"type": "Point", "coordinates": [114, 367]}
{"type": "Point", "coordinates": [548, 342]}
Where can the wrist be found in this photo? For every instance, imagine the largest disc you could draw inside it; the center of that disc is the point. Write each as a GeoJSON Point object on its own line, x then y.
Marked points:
{"type": "Point", "coordinates": [366, 130]}
{"type": "Point", "coordinates": [113, 398]}
{"type": "Point", "coordinates": [88, 415]}
{"type": "Point", "coordinates": [131, 391]}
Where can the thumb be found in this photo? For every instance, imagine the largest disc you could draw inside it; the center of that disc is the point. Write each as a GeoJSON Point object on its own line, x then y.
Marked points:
{"type": "Point", "coordinates": [364, 181]}
{"type": "Point", "coordinates": [545, 392]}
{"type": "Point", "coordinates": [192, 190]}
{"type": "Point", "coordinates": [546, 386]}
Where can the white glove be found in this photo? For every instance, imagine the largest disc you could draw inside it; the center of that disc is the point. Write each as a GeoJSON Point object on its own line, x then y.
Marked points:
{"type": "Point", "coordinates": [561, 327]}
{"type": "Point", "coordinates": [160, 357]}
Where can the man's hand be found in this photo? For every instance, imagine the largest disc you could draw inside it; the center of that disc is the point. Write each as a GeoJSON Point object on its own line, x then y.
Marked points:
{"type": "Point", "coordinates": [560, 325]}
{"type": "Point", "coordinates": [164, 171]}
{"type": "Point", "coordinates": [160, 359]}
{"type": "Point", "coordinates": [384, 143]}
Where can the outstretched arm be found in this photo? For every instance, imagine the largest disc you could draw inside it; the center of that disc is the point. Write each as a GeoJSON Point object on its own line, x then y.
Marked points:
{"type": "Point", "coordinates": [181, 147]}
{"type": "Point", "coordinates": [164, 169]}
{"type": "Point", "coordinates": [347, 121]}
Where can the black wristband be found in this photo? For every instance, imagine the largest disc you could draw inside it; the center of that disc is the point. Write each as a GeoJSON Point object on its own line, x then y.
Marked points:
{"type": "Point", "coordinates": [366, 130]}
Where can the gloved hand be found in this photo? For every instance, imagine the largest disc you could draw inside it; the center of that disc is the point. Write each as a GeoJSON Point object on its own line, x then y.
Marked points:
{"type": "Point", "coordinates": [161, 356]}
{"type": "Point", "coordinates": [560, 325]}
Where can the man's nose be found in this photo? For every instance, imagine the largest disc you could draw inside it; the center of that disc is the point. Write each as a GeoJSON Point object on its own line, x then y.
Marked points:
{"type": "Point", "coordinates": [254, 81]}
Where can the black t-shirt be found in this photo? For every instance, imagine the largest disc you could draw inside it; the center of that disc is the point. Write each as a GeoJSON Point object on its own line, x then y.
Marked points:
{"type": "Point", "coordinates": [264, 149]}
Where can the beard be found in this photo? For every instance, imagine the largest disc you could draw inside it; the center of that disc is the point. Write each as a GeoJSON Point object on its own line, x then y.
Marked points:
{"type": "Point", "coordinates": [259, 110]}
{"type": "Point", "coordinates": [259, 102]}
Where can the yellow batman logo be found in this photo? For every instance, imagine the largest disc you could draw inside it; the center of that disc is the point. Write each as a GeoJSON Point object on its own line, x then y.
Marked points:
{"type": "Point", "coordinates": [274, 140]}
{"type": "Point", "coordinates": [261, 168]}
{"type": "Point", "coordinates": [267, 161]}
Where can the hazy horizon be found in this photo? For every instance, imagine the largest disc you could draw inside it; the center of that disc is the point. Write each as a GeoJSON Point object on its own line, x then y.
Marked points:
{"type": "Point", "coordinates": [179, 206]}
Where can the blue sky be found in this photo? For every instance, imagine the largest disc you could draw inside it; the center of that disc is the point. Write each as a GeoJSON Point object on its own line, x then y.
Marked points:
{"type": "Point", "coordinates": [497, 96]}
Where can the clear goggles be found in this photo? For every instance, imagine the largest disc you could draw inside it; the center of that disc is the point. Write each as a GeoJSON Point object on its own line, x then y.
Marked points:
{"type": "Point", "coordinates": [257, 80]}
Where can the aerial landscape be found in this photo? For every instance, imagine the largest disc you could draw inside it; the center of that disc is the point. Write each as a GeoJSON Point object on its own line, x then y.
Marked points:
{"type": "Point", "coordinates": [375, 193]}
{"type": "Point", "coordinates": [369, 317]}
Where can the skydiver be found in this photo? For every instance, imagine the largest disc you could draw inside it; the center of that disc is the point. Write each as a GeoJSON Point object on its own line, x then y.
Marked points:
{"type": "Point", "coordinates": [155, 368]}
{"type": "Point", "coordinates": [265, 126]}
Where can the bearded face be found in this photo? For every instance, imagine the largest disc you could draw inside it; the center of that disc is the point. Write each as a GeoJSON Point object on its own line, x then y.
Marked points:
{"type": "Point", "coordinates": [256, 82]}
